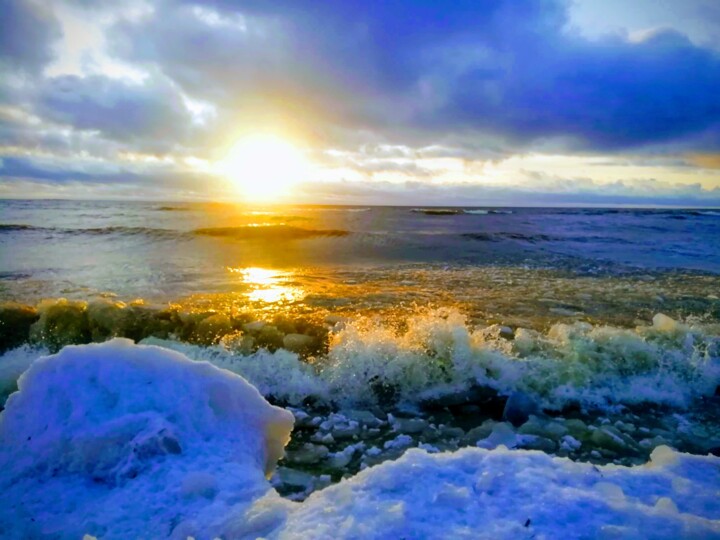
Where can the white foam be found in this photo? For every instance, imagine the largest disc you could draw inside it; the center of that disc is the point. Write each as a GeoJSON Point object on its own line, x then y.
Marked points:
{"type": "Point", "coordinates": [281, 374]}
{"type": "Point", "coordinates": [474, 493]}
{"type": "Point", "coordinates": [125, 441]}
{"type": "Point", "coordinates": [668, 362]}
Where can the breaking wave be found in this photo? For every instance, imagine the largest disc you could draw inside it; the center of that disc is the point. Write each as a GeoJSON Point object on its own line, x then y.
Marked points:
{"type": "Point", "coordinates": [429, 356]}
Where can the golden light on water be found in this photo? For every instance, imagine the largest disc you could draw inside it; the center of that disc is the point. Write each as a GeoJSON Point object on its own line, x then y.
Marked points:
{"type": "Point", "coordinates": [264, 167]}
{"type": "Point", "coordinates": [268, 286]}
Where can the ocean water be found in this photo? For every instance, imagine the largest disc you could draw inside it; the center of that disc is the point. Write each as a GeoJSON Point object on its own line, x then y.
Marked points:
{"type": "Point", "coordinates": [605, 322]}
{"type": "Point", "coordinates": [166, 251]}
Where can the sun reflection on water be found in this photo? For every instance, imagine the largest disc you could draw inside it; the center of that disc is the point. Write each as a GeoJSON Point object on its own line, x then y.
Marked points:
{"type": "Point", "coordinates": [268, 286]}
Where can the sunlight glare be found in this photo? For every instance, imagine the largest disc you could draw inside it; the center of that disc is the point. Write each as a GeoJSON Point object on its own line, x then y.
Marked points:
{"type": "Point", "coordinates": [266, 286]}
{"type": "Point", "coordinates": [264, 167]}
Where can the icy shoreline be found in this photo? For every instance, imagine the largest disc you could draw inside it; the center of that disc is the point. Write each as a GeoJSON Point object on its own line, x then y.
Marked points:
{"type": "Point", "coordinates": [122, 441]}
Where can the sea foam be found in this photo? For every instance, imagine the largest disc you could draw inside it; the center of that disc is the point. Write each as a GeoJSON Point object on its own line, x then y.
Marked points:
{"type": "Point", "coordinates": [435, 352]}
{"type": "Point", "coordinates": [126, 441]}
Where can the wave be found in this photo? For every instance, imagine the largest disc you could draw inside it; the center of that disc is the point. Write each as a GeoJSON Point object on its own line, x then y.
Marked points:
{"type": "Point", "coordinates": [334, 209]}
{"type": "Point", "coordinates": [94, 231]}
{"type": "Point", "coordinates": [670, 213]}
{"type": "Point", "coordinates": [535, 238]}
{"type": "Point", "coordinates": [247, 232]}
{"type": "Point", "coordinates": [12, 227]}
{"type": "Point", "coordinates": [437, 211]}
{"type": "Point", "coordinates": [432, 355]}
{"type": "Point", "coordinates": [500, 236]}
{"type": "Point", "coordinates": [486, 212]}
{"type": "Point", "coordinates": [269, 232]}
{"type": "Point", "coordinates": [457, 211]}
{"type": "Point", "coordinates": [124, 231]}
{"type": "Point", "coordinates": [172, 208]}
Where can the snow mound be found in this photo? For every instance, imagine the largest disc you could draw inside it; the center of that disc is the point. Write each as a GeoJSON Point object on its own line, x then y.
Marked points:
{"type": "Point", "coordinates": [475, 493]}
{"type": "Point", "coordinates": [125, 441]}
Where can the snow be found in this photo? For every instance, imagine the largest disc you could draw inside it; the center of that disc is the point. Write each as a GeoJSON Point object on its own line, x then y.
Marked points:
{"type": "Point", "coordinates": [124, 441]}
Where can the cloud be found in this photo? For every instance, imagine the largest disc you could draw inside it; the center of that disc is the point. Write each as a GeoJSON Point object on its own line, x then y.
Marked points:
{"type": "Point", "coordinates": [707, 161]}
{"type": "Point", "coordinates": [507, 68]}
{"type": "Point", "coordinates": [88, 178]}
{"type": "Point", "coordinates": [552, 191]}
{"type": "Point", "coordinates": [58, 172]}
{"type": "Point", "coordinates": [151, 113]}
{"type": "Point", "coordinates": [392, 88]}
{"type": "Point", "coordinates": [29, 30]}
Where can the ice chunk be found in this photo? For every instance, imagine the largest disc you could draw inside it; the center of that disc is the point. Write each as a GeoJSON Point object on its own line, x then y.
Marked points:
{"type": "Point", "coordinates": [125, 441]}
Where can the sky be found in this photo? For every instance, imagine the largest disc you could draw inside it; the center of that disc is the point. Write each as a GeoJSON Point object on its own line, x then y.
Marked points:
{"type": "Point", "coordinates": [484, 102]}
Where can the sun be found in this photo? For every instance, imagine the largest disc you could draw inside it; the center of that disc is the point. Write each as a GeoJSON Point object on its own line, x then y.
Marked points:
{"type": "Point", "coordinates": [263, 167]}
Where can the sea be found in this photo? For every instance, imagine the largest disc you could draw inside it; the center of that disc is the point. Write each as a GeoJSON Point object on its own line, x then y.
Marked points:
{"type": "Point", "coordinates": [590, 333]}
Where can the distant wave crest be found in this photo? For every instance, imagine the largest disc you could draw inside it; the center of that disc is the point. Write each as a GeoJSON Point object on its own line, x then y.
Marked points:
{"type": "Point", "coordinates": [534, 238]}
{"type": "Point", "coordinates": [11, 227]}
{"type": "Point", "coordinates": [458, 211]}
{"type": "Point", "coordinates": [248, 232]}
{"type": "Point", "coordinates": [274, 232]}
{"type": "Point", "coordinates": [171, 208]}
{"type": "Point", "coordinates": [94, 231]}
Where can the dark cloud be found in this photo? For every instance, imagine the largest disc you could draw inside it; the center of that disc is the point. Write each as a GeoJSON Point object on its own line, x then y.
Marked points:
{"type": "Point", "coordinates": [51, 172]}
{"type": "Point", "coordinates": [28, 30]}
{"type": "Point", "coordinates": [34, 169]}
{"type": "Point", "coordinates": [609, 94]}
{"type": "Point", "coordinates": [506, 68]}
{"type": "Point", "coordinates": [151, 114]}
